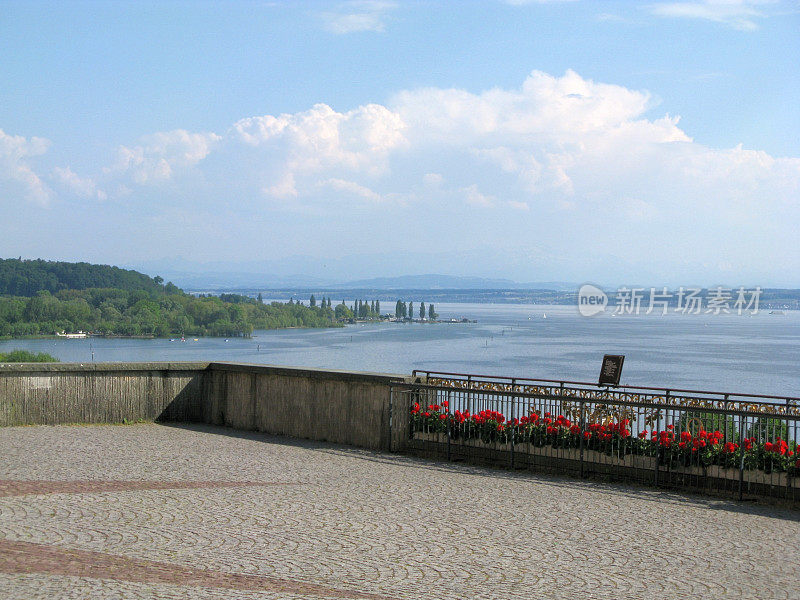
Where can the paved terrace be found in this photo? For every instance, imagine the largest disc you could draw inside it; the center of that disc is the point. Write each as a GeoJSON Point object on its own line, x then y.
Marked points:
{"type": "Point", "coordinates": [154, 511]}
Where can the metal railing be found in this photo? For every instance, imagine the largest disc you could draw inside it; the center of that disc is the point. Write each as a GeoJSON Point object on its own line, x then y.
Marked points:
{"type": "Point", "coordinates": [733, 444]}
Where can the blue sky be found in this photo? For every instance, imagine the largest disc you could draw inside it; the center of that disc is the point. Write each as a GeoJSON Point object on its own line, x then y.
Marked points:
{"type": "Point", "coordinates": [619, 142]}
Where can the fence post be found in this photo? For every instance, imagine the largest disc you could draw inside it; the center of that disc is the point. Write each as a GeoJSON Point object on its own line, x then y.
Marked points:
{"type": "Point", "coordinates": [583, 428]}
{"type": "Point", "coordinates": [513, 429]}
{"type": "Point", "coordinates": [725, 420]}
{"type": "Point", "coordinates": [741, 463]}
{"type": "Point", "coordinates": [658, 432]}
{"type": "Point", "coordinates": [391, 417]}
{"type": "Point", "coordinates": [449, 424]}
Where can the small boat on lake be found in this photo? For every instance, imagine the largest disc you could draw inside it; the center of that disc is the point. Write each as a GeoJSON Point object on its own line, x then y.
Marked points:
{"type": "Point", "coordinates": [79, 335]}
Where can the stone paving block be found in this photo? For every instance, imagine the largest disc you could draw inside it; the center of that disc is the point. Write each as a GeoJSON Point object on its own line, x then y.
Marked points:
{"type": "Point", "coordinates": [156, 511]}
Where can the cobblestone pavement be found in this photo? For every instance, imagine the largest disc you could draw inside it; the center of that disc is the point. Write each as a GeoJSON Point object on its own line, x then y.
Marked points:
{"type": "Point", "coordinates": [154, 511]}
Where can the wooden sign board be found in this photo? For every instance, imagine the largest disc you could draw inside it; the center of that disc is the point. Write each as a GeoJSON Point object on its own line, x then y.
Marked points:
{"type": "Point", "coordinates": [611, 370]}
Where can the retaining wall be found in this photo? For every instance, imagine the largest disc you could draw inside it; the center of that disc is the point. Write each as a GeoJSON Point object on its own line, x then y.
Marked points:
{"type": "Point", "coordinates": [337, 406]}
{"type": "Point", "coordinates": [50, 394]}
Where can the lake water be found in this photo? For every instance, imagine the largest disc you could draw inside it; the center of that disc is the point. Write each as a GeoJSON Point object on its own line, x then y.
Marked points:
{"type": "Point", "coordinates": [731, 353]}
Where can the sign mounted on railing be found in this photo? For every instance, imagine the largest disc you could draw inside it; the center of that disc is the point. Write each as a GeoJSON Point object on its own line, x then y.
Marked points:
{"type": "Point", "coordinates": [611, 370]}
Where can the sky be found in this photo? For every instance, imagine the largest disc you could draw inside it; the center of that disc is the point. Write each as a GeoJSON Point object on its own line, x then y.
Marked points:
{"type": "Point", "coordinates": [624, 143]}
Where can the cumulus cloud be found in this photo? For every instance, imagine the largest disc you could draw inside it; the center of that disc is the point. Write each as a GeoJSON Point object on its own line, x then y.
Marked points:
{"type": "Point", "coordinates": [161, 155]}
{"type": "Point", "coordinates": [84, 187]}
{"type": "Point", "coordinates": [16, 171]}
{"type": "Point", "coordinates": [524, 2]}
{"type": "Point", "coordinates": [555, 145]}
{"type": "Point", "coordinates": [475, 198]}
{"type": "Point", "coordinates": [738, 14]}
{"type": "Point", "coordinates": [293, 149]}
{"type": "Point", "coordinates": [358, 15]}
{"type": "Point", "coordinates": [354, 189]}
{"type": "Point", "coordinates": [283, 189]}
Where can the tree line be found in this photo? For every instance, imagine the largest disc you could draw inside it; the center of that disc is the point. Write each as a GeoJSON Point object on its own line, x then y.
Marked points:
{"type": "Point", "coordinates": [111, 311]}
{"type": "Point", "coordinates": [39, 297]}
{"type": "Point", "coordinates": [406, 311]}
{"type": "Point", "coordinates": [366, 310]}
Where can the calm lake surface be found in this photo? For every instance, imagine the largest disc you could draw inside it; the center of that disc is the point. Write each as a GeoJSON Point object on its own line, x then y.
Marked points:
{"type": "Point", "coordinates": [731, 353]}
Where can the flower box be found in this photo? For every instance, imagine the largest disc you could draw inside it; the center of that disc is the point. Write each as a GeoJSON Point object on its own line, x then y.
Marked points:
{"type": "Point", "coordinates": [478, 443]}
{"type": "Point", "coordinates": [723, 472]}
{"type": "Point", "coordinates": [641, 462]}
{"type": "Point", "coordinates": [755, 476]}
{"type": "Point", "coordinates": [569, 453]}
{"type": "Point", "coordinates": [430, 436]}
{"type": "Point", "coordinates": [607, 459]}
{"type": "Point", "coordinates": [549, 451]}
{"type": "Point", "coordinates": [693, 470]}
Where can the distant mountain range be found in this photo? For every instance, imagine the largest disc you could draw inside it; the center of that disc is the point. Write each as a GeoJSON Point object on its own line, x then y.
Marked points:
{"type": "Point", "coordinates": [331, 273]}
{"type": "Point", "coordinates": [238, 280]}
{"type": "Point", "coordinates": [450, 282]}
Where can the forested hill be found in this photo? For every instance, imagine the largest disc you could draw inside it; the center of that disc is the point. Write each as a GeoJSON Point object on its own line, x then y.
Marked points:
{"type": "Point", "coordinates": [39, 297]}
{"type": "Point", "coordinates": [28, 277]}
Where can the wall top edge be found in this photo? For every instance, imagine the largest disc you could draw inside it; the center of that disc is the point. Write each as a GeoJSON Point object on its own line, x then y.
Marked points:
{"type": "Point", "coordinates": [116, 367]}
{"type": "Point", "coordinates": [306, 372]}
{"type": "Point", "coordinates": [101, 366]}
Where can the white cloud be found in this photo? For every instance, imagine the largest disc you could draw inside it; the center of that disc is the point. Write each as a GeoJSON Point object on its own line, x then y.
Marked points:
{"type": "Point", "coordinates": [283, 189]}
{"type": "Point", "coordinates": [475, 198]}
{"type": "Point", "coordinates": [432, 180]}
{"type": "Point", "coordinates": [354, 189]}
{"type": "Point", "coordinates": [357, 16]}
{"type": "Point", "coordinates": [739, 14]}
{"type": "Point", "coordinates": [546, 106]}
{"type": "Point", "coordinates": [526, 2]}
{"type": "Point", "coordinates": [553, 144]}
{"type": "Point", "coordinates": [558, 153]}
{"type": "Point", "coordinates": [15, 169]}
{"type": "Point", "coordinates": [518, 205]}
{"type": "Point", "coordinates": [303, 146]}
{"type": "Point", "coordinates": [85, 187]}
{"type": "Point", "coordinates": [163, 154]}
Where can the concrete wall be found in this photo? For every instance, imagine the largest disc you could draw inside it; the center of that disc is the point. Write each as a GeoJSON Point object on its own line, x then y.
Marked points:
{"type": "Point", "coordinates": [337, 406]}
{"type": "Point", "coordinates": [48, 394]}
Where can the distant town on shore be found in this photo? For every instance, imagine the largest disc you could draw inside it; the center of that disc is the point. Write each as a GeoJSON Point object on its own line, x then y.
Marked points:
{"type": "Point", "coordinates": [48, 298]}
{"type": "Point", "coordinates": [770, 299]}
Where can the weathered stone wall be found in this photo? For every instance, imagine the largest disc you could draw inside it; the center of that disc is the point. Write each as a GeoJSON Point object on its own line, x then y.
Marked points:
{"type": "Point", "coordinates": [337, 406]}
{"type": "Point", "coordinates": [49, 394]}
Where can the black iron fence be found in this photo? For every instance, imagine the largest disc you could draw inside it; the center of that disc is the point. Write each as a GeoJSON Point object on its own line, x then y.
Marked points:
{"type": "Point", "coordinates": [723, 443]}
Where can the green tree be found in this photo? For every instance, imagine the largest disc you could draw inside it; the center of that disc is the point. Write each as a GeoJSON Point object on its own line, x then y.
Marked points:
{"type": "Point", "coordinates": [17, 356]}
{"type": "Point", "coordinates": [432, 316]}
{"type": "Point", "coordinates": [260, 298]}
{"type": "Point", "coordinates": [411, 310]}
{"type": "Point", "coordinates": [378, 307]}
{"type": "Point", "coordinates": [312, 301]}
{"type": "Point", "coordinates": [421, 310]}
{"type": "Point", "coordinates": [342, 312]}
